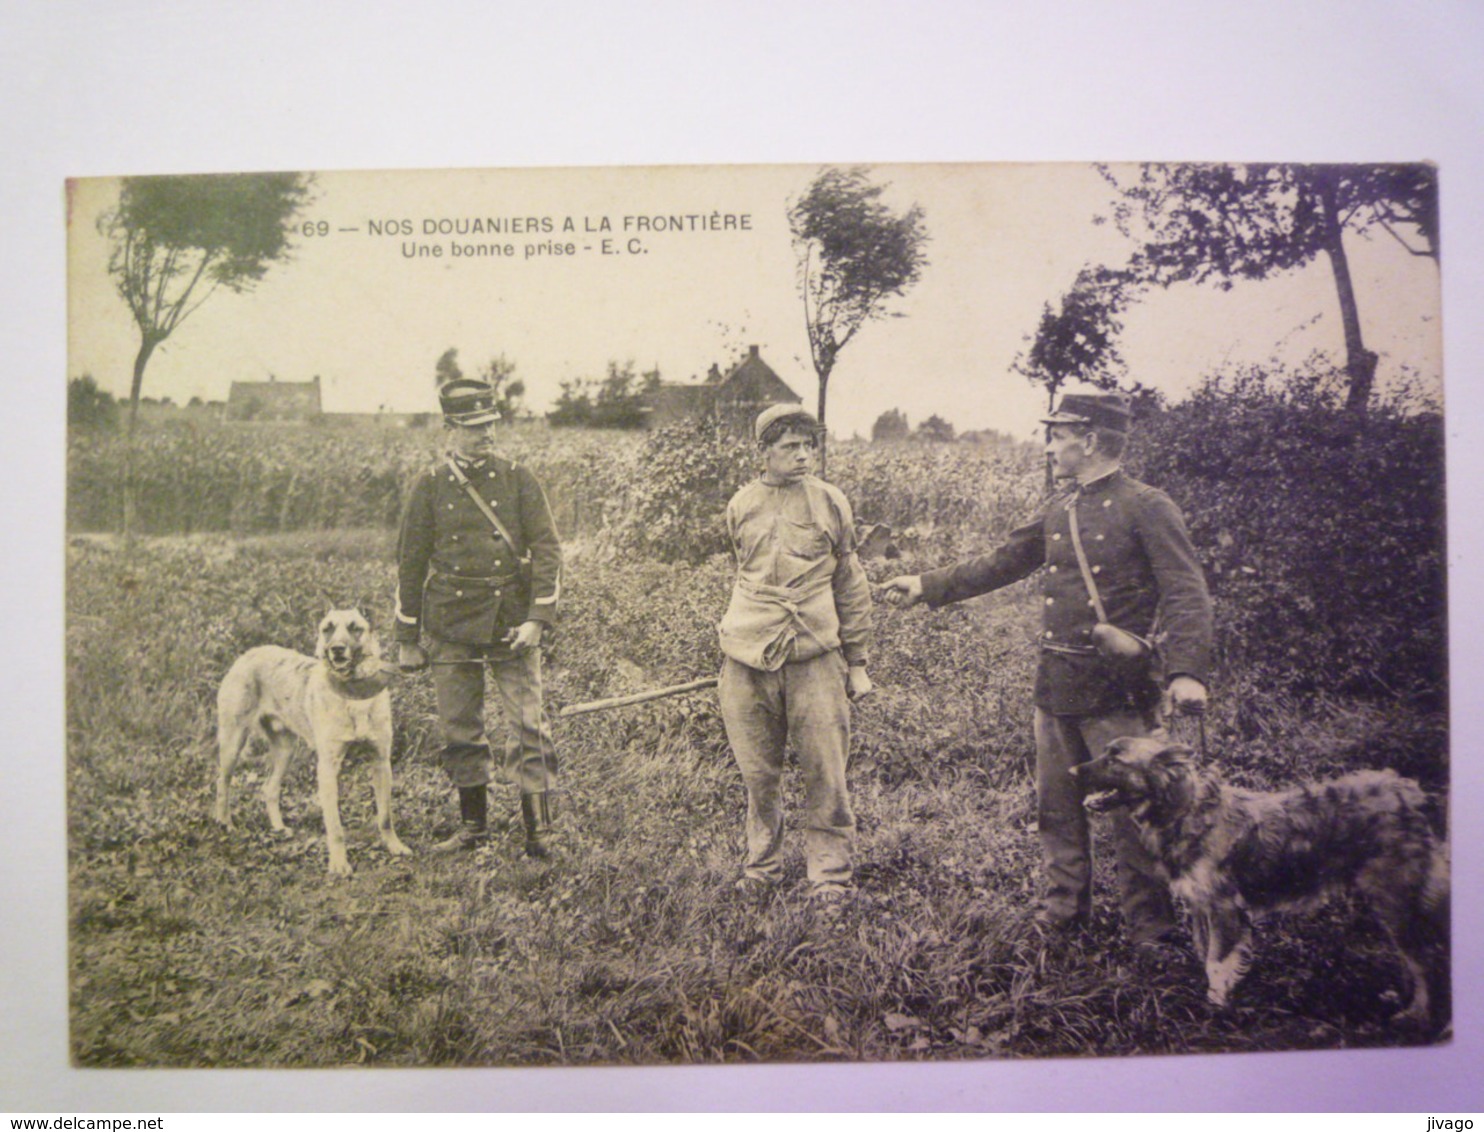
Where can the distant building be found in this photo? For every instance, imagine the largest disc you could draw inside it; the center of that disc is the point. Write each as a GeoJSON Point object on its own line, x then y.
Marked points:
{"type": "Point", "coordinates": [734, 397]}
{"type": "Point", "coordinates": [274, 400]}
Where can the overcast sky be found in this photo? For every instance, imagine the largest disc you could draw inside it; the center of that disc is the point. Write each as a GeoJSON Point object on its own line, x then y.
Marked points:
{"type": "Point", "coordinates": [371, 313]}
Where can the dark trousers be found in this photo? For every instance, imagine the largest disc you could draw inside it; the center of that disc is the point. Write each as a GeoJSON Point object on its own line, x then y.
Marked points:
{"type": "Point", "coordinates": [1062, 742]}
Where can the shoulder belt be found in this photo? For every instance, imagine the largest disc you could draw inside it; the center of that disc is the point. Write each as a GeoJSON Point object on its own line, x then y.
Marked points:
{"type": "Point", "coordinates": [1092, 586]}
{"type": "Point", "coordinates": [484, 508]}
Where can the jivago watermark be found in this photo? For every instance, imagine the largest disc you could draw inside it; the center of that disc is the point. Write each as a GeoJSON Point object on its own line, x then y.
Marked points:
{"type": "Point", "coordinates": [1449, 1124]}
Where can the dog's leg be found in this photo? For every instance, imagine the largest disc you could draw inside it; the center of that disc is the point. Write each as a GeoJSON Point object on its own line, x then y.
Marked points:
{"type": "Point", "coordinates": [381, 785]}
{"type": "Point", "coordinates": [1405, 920]}
{"type": "Point", "coordinates": [280, 750]}
{"type": "Point", "coordinates": [1228, 948]}
{"type": "Point", "coordinates": [330, 756]}
{"type": "Point", "coordinates": [1200, 931]}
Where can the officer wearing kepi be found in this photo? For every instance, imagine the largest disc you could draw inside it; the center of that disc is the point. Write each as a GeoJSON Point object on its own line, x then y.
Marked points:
{"type": "Point", "coordinates": [1120, 573]}
{"type": "Point", "coordinates": [479, 572]}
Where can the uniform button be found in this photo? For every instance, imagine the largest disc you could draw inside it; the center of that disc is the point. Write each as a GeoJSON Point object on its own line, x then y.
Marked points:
{"type": "Point", "coordinates": [450, 506]}
{"type": "Point", "coordinates": [1097, 569]}
{"type": "Point", "coordinates": [1051, 569]}
{"type": "Point", "coordinates": [1056, 537]}
{"type": "Point", "coordinates": [1048, 634]}
{"type": "Point", "coordinates": [458, 593]}
{"type": "Point", "coordinates": [494, 503]}
{"type": "Point", "coordinates": [1051, 601]}
{"type": "Point", "coordinates": [497, 593]}
{"type": "Point", "coordinates": [450, 479]}
{"type": "Point", "coordinates": [1107, 503]}
{"type": "Point", "coordinates": [454, 537]}
{"type": "Point", "coordinates": [1089, 601]}
{"type": "Point", "coordinates": [1099, 538]}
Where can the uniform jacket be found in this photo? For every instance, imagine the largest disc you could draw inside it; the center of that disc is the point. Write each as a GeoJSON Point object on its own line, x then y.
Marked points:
{"type": "Point", "coordinates": [456, 578]}
{"type": "Point", "coordinates": [1144, 566]}
{"type": "Point", "coordinates": [800, 589]}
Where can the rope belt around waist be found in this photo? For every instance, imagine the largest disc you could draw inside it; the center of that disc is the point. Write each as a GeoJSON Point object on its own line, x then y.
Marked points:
{"type": "Point", "coordinates": [787, 596]}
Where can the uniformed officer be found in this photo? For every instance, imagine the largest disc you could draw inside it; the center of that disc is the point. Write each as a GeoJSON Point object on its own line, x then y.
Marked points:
{"type": "Point", "coordinates": [479, 571]}
{"type": "Point", "coordinates": [1140, 560]}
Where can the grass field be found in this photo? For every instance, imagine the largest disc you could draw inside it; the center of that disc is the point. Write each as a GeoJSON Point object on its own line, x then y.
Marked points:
{"type": "Point", "coordinates": [191, 945]}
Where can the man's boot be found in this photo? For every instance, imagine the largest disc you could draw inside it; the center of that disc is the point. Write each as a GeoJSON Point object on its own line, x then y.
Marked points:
{"type": "Point", "coordinates": [473, 830]}
{"type": "Point", "coordinates": [538, 813]}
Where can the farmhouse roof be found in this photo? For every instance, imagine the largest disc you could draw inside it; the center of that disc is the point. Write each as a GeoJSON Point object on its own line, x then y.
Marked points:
{"type": "Point", "coordinates": [753, 379]}
{"type": "Point", "coordinates": [273, 398]}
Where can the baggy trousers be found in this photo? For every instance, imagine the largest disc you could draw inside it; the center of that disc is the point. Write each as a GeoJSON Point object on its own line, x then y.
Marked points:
{"type": "Point", "coordinates": [806, 702]}
{"type": "Point", "coordinates": [529, 756]}
{"type": "Point", "coordinates": [1062, 742]}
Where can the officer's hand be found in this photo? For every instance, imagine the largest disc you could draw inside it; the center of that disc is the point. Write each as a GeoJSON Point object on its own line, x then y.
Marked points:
{"type": "Point", "coordinates": [905, 591]}
{"type": "Point", "coordinates": [1187, 695]}
{"type": "Point", "coordinates": [857, 684]}
{"type": "Point", "coordinates": [527, 637]}
{"type": "Point", "coordinates": [411, 658]}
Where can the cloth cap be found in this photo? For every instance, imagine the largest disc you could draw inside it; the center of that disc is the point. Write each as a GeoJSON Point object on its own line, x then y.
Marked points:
{"type": "Point", "coordinates": [1101, 410]}
{"type": "Point", "coordinates": [777, 412]}
{"type": "Point", "coordinates": [468, 402]}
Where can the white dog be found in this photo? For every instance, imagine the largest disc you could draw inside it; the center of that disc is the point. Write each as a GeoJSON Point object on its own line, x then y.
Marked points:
{"type": "Point", "coordinates": [331, 700]}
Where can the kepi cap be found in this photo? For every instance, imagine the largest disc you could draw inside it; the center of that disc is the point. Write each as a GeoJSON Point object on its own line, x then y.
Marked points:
{"type": "Point", "coordinates": [465, 401]}
{"type": "Point", "coordinates": [778, 412]}
{"type": "Point", "coordinates": [1101, 410]}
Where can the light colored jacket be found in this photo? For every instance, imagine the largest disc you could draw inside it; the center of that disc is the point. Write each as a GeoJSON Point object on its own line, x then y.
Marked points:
{"type": "Point", "coordinates": [800, 589]}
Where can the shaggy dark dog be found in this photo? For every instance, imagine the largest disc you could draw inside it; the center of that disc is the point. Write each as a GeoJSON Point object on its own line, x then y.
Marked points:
{"type": "Point", "coordinates": [1234, 854]}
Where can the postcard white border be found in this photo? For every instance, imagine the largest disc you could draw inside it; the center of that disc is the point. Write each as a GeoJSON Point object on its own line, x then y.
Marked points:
{"type": "Point", "coordinates": [143, 87]}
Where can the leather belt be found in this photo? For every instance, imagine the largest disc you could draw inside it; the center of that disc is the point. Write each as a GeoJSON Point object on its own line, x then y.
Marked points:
{"type": "Point", "coordinates": [1070, 650]}
{"type": "Point", "coordinates": [479, 579]}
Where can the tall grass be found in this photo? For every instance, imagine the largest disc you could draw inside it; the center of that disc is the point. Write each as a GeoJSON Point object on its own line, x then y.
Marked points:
{"type": "Point", "coordinates": [191, 945]}
{"type": "Point", "coordinates": [194, 945]}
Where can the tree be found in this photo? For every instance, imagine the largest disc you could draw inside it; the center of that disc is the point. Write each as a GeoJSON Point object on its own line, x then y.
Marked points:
{"type": "Point", "coordinates": [1078, 342]}
{"type": "Point", "coordinates": [1220, 223]}
{"type": "Point", "coordinates": [890, 425]}
{"type": "Point", "coordinates": [620, 400]}
{"type": "Point", "coordinates": [499, 373]}
{"type": "Point", "coordinates": [176, 240]}
{"type": "Point", "coordinates": [934, 428]}
{"type": "Point", "coordinates": [446, 368]}
{"type": "Point", "coordinates": [854, 256]}
{"type": "Point", "coordinates": [90, 407]}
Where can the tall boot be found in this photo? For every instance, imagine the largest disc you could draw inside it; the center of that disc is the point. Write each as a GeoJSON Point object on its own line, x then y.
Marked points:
{"type": "Point", "coordinates": [538, 813]}
{"type": "Point", "coordinates": [473, 832]}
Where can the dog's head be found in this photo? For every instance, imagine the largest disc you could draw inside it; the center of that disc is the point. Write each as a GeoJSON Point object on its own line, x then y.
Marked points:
{"type": "Point", "coordinates": [1140, 773]}
{"type": "Point", "coordinates": [345, 639]}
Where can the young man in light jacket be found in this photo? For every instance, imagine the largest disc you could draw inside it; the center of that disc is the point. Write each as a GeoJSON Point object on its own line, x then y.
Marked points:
{"type": "Point", "coordinates": [795, 637]}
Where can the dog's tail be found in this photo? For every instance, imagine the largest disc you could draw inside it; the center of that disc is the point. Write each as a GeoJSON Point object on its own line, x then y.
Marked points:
{"type": "Point", "coordinates": [1436, 891]}
{"type": "Point", "coordinates": [1437, 917]}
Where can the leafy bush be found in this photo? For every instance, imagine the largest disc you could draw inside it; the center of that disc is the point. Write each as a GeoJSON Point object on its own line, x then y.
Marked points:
{"type": "Point", "coordinates": [949, 498]}
{"type": "Point", "coordinates": [685, 474]}
{"type": "Point", "coordinates": [89, 407]}
{"type": "Point", "coordinates": [620, 400]}
{"type": "Point", "coordinates": [1322, 533]}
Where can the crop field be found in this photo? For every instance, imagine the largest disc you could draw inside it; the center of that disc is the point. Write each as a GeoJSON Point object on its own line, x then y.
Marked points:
{"type": "Point", "coordinates": [192, 945]}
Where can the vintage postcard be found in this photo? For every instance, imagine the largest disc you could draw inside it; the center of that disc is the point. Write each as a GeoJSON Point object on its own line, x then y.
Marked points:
{"type": "Point", "coordinates": [714, 615]}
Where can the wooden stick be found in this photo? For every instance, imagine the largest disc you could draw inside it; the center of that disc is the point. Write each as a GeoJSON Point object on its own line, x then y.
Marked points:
{"type": "Point", "coordinates": [636, 698]}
